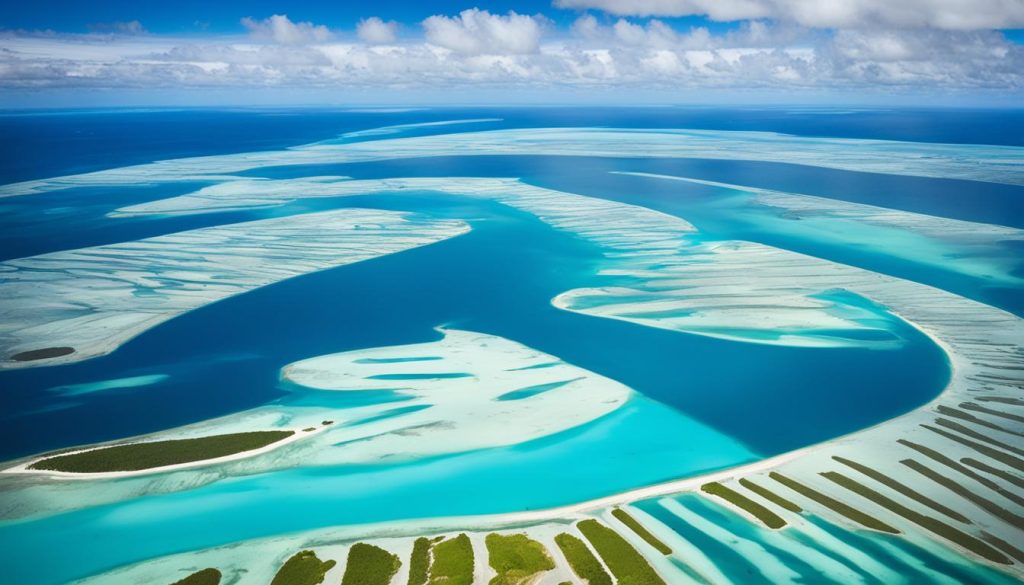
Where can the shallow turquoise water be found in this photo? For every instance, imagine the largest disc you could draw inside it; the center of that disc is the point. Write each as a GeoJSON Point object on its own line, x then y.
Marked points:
{"type": "Point", "coordinates": [723, 213]}
{"type": "Point", "coordinates": [498, 279]}
{"type": "Point", "coordinates": [707, 403]}
{"type": "Point", "coordinates": [476, 282]}
{"type": "Point", "coordinates": [894, 552]}
{"type": "Point", "coordinates": [642, 443]}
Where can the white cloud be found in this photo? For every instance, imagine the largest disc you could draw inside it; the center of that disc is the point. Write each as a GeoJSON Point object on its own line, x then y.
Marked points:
{"type": "Point", "coordinates": [130, 27]}
{"type": "Point", "coordinates": [480, 49]}
{"type": "Point", "coordinates": [281, 30]}
{"type": "Point", "coordinates": [375, 31]}
{"type": "Point", "coordinates": [942, 14]}
{"type": "Point", "coordinates": [656, 34]}
{"type": "Point", "coordinates": [586, 27]}
{"type": "Point", "coordinates": [478, 32]}
{"type": "Point", "coordinates": [955, 58]}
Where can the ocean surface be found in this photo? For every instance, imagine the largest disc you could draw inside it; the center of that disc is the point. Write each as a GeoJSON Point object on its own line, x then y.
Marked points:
{"type": "Point", "coordinates": [706, 403]}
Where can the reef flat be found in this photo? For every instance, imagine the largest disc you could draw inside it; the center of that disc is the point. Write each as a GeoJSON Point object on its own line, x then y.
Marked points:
{"type": "Point", "coordinates": [402, 128]}
{"type": "Point", "coordinates": [674, 281]}
{"type": "Point", "coordinates": [837, 482]}
{"type": "Point", "coordinates": [426, 455]}
{"type": "Point", "coordinates": [997, 164]}
{"type": "Point", "coordinates": [92, 300]}
{"type": "Point", "coordinates": [978, 250]}
{"type": "Point", "coordinates": [467, 391]}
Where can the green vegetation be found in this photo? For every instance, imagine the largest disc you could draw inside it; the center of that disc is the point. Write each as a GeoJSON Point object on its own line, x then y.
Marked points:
{"type": "Point", "coordinates": [517, 558]}
{"type": "Point", "coordinates": [641, 531]}
{"type": "Point", "coordinates": [902, 489]}
{"type": "Point", "coordinates": [927, 522]}
{"type": "Point", "coordinates": [628, 565]}
{"type": "Point", "coordinates": [1000, 456]}
{"type": "Point", "coordinates": [1004, 546]}
{"type": "Point", "coordinates": [939, 457]}
{"type": "Point", "coordinates": [369, 565]}
{"type": "Point", "coordinates": [453, 562]}
{"type": "Point", "coordinates": [204, 577]}
{"type": "Point", "coordinates": [954, 426]}
{"type": "Point", "coordinates": [770, 519]}
{"type": "Point", "coordinates": [1000, 473]}
{"type": "Point", "coordinates": [1000, 399]}
{"type": "Point", "coordinates": [302, 569]}
{"type": "Point", "coordinates": [137, 456]}
{"type": "Point", "coordinates": [986, 410]}
{"type": "Point", "coordinates": [419, 561]}
{"type": "Point", "coordinates": [955, 413]}
{"type": "Point", "coordinates": [834, 504]}
{"type": "Point", "coordinates": [42, 354]}
{"type": "Point", "coordinates": [992, 507]}
{"type": "Point", "coordinates": [583, 562]}
{"type": "Point", "coordinates": [770, 495]}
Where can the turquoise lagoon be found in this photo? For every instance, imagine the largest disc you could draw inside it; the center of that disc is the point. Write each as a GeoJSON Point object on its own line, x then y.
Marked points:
{"type": "Point", "coordinates": [885, 559]}
{"type": "Point", "coordinates": [704, 404]}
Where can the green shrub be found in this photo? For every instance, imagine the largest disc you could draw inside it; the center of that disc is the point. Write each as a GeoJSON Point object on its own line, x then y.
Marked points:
{"type": "Point", "coordinates": [625, 562]}
{"type": "Point", "coordinates": [834, 504]}
{"type": "Point", "coordinates": [42, 354]}
{"type": "Point", "coordinates": [453, 562]}
{"type": "Point", "coordinates": [419, 561]}
{"type": "Point", "coordinates": [641, 531]}
{"type": "Point", "coordinates": [370, 565]}
{"type": "Point", "coordinates": [517, 558]}
{"type": "Point", "coordinates": [927, 522]}
{"type": "Point", "coordinates": [304, 568]}
{"type": "Point", "coordinates": [902, 489]}
{"type": "Point", "coordinates": [770, 519]}
{"type": "Point", "coordinates": [770, 495]}
{"type": "Point", "coordinates": [204, 577]}
{"type": "Point", "coordinates": [138, 456]}
{"type": "Point", "coordinates": [583, 562]}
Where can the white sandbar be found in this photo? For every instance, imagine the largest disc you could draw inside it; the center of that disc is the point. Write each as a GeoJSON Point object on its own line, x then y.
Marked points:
{"type": "Point", "coordinates": [657, 275]}
{"type": "Point", "coordinates": [468, 391]}
{"type": "Point", "coordinates": [95, 299]}
{"type": "Point", "coordinates": [998, 164]}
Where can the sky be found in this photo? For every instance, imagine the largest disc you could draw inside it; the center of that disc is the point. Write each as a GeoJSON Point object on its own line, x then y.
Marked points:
{"type": "Point", "coordinates": [461, 52]}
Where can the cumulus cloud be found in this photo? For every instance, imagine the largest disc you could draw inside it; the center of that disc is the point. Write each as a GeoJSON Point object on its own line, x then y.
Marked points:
{"type": "Point", "coordinates": [478, 32]}
{"type": "Point", "coordinates": [954, 58]}
{"type": "Point", "coordinates": [655, 34]}
{"type": "Point", "coordinates": [281, 30]}
{"type": "Point", "coordinates": [477, 48]}
{"type": "Point", "coordinates": [942, 14]}
{"type": "Point", "coordinates": [375, 31]}
{"type": "Point", "coordinates": [586, 27]}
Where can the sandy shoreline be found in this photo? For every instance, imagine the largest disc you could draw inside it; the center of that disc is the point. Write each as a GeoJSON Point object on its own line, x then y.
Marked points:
{"type": "Point", "coordinates": [23, 468]}
{"type": "Point", "coordinates": [973, 336]}
{"type": "Point", "coordinates": [79, 299]}
{"type": "Point", "coordinates": [569, 514]}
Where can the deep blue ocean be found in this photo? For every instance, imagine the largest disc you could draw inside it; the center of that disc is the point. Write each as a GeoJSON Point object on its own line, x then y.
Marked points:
{"type": "Point", "coordinates": [498, 279]}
